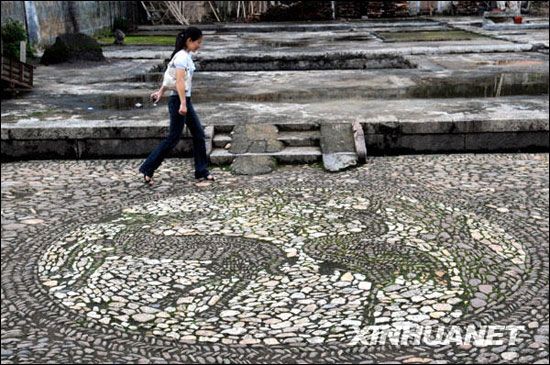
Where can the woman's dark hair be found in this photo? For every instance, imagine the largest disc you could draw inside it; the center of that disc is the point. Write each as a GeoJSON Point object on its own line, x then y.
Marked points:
{"type": "Point", "coordinates": [181, 40]}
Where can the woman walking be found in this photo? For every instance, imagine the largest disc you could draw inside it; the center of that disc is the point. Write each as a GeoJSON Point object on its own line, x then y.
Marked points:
{"type": "Point", "coordinates": [181, 110]}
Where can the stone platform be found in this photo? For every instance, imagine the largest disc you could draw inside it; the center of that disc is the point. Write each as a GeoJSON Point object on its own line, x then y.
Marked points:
{"type": "Point", "coordinates": [390, 126]}
{"type": "Point", "coordinates": [415, 86]}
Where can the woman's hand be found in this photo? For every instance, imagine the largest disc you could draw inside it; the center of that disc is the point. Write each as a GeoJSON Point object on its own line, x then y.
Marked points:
{"type": "Point", "coordinates": [155, 97]}
{"type": "Point", "coordinates": [183, 109]}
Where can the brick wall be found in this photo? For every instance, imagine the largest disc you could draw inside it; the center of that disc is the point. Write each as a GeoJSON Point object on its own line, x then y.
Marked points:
{"type": "Point", "coordinates": [57, 17]}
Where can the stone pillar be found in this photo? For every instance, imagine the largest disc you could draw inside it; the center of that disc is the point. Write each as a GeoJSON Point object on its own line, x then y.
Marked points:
{"type": "Point", "coordinates": [23, 51]}
{"type": "Point", "coordinates": [414, 7]}
{"type": "Point", "coordinates": [33, 26]}
{"type": "Point", "coordinates": [443, 6]}
{"type": "Point", "coordinates": [515, 7]}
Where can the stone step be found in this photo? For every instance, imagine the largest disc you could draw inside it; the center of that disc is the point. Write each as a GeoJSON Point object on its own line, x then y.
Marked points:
{"type": "Point", "coordinates": [220, 156]}
{"type": "Point", "coordinates": [221, 128]}
{"type": "Point", "coordinates": [300, 138]}
{"type": "Point", "coordinates": [292, 127]}
{"type": "Point", "coordinates": [221, 140]}
{"type": "Point", "coordinates": [289, 138]}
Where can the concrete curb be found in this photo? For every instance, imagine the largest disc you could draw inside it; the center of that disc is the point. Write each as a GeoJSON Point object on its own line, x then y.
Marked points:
{"type": "Point", "coordinates": [381, 137]}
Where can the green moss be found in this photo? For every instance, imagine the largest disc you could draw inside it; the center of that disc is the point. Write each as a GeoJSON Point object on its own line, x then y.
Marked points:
{"type": "Point", "coordinates": [136, 40]}
{"type": "Point", "coordinates": [226, 167]}
{"type": "Point", "coordinates": [41, 113]}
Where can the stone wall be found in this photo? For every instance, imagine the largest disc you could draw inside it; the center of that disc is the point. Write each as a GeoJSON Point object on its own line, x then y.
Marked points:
{"type": "Point", "coordinates": [14, 10]}
{"type": "Point", "coordinates": [45, 20]}
{"type": "Point", "coordinates": [198, 12]}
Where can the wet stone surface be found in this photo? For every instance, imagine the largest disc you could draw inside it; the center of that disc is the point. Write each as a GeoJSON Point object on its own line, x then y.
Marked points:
{"type": "Point", "coordinates": [278, 268]}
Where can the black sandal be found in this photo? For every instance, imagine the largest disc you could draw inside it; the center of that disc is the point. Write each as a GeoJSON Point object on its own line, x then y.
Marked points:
{"type": "Point", "coordinates": [148, 180]}
{"type": "Point", "coordinates": [207, 178]}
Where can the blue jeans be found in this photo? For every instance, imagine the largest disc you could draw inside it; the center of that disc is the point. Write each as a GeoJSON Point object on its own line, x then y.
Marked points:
{"type": "Point", "coordinates": [176, 128]}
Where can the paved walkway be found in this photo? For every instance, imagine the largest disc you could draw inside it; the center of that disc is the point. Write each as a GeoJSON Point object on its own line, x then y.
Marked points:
{"type": "Point", "coordinates": [97, 267]}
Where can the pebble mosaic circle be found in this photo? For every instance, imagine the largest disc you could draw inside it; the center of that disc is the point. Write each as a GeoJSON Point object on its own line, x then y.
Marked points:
{"type": "Point", "coordinates": [285, 265]}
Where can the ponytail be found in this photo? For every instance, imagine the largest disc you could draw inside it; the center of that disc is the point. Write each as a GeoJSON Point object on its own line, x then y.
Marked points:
{"type": "Point", "coordinates": [181, 39]}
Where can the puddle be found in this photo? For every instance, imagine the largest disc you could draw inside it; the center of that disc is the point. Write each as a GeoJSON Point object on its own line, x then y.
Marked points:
{"type": "Point", "coordinates": [281, 44]}
{"type": "Point", "coordinates": [155, 77]}
{"type": "Point", "coordinates": [511, 63]}
{"type": "Point", "coordinates": [307, 43]}
{"type": "Point", "coordinates": [124, 102]}
{"type": "Point", "coordinates": [518, 62]}
{"type": "Point", "coordinates": [306, 62]}
{"type": "Point", "coordinates": [355, 38]}
{"type": "Point", "coordinates": [428, 36]}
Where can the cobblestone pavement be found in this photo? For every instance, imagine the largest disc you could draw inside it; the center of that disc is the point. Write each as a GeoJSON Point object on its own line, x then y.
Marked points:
{"type": "Point", "coordinates": [283, 268]}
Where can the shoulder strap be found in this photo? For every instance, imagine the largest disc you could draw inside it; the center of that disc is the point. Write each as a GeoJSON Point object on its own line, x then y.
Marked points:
{"type": "Point", "coordinates": [171, 60]}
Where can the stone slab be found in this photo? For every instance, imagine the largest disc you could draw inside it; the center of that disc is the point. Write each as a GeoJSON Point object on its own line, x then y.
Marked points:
{"type": "Point", "coordinates": [339, 161]}
{"type": "Point", "coordinates": [253, 165]}
{"type": "Point", "coordinates": [338, 146]}
{"type": "Point", "coordinates": [262, 138]}
{"type": "Point", "coordinates": [337, 137]}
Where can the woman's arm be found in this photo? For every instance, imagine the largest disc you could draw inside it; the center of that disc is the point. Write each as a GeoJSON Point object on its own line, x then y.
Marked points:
{"type": "Point", "coordinates": [180, 88]}
{"type": "Point", "coordinates": [157, 95]}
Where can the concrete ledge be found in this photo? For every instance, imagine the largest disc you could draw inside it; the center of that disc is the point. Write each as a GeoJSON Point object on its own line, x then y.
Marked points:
{"type": "Point", "coordinates": [507, 141]}
{"type": "Point", "coordinates": [453, 126]}
{"type": "Point", "coordinates": [376, 143]}
{"type": "Point", "coordinates": [379, 144]}
{"type": "Point", "coordinates": [389, 126]}
{"type": "Point", "coordinates": [87, 148]}
{"type": "Point", "coordinates": [98, 141]}
{"type": "Point", "coordinates": [96, 130]}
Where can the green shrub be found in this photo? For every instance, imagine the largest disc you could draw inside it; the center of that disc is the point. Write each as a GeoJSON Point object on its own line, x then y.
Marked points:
{"type": "Point", "coordinates": [103, 33]}
{"type": "Point", "coordinates": [122, 24]}
{"type": "Point", "coordinates": [72, 47]}
{"type": "Point", "coordinates": [14, 32]}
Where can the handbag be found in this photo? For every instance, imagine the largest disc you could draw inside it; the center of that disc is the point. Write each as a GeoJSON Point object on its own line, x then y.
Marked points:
{"type": "Point", "coordinates": [169, 78]}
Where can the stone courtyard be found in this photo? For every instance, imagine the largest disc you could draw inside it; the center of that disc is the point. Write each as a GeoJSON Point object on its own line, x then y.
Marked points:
{"type": "Point", "coordinates": [419, 85]}
{"type": "Point", "coordinates": [437, 215]}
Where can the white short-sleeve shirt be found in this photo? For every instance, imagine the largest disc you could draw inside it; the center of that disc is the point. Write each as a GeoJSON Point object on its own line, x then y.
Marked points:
{"type": "Point", "coordinates": [183, 60]}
